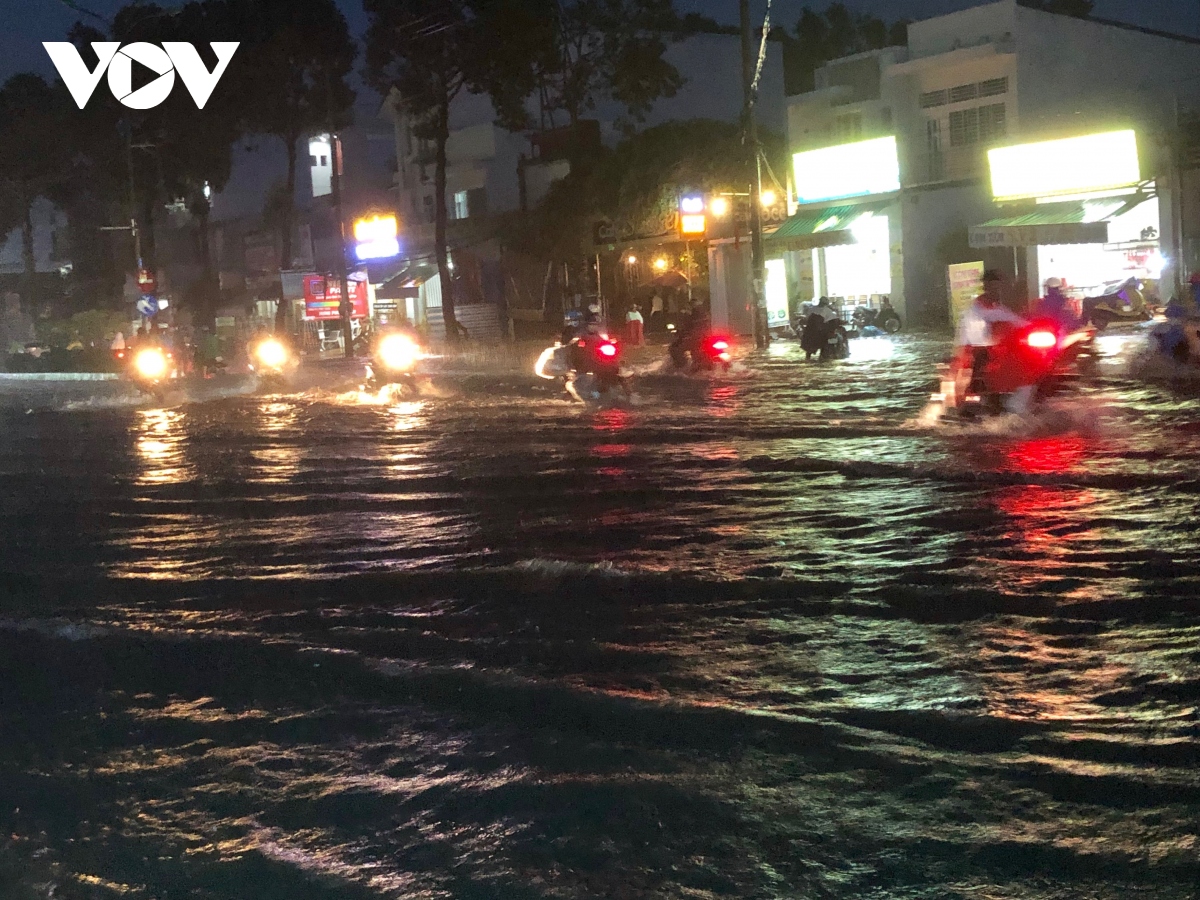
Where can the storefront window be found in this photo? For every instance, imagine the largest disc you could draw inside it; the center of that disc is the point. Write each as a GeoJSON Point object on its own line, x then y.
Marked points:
{"type": "Point", "coordinates": [1132, 252]}
{"type": "Point", "coordinates": [864, 268]}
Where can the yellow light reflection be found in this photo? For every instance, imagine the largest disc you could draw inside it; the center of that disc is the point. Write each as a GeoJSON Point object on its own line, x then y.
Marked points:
{"type": "Point", "coordinates": [160, 438]}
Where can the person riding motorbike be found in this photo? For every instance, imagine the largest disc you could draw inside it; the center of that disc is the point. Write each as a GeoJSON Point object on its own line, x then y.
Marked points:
{"type": "Point", "coordinates": [1056, 306]}
{"type": "Point", "coordinates": [686, 345]}
{"type": "Point", "coordinates": [1170, 337]}
{"type": "Point", "coordinates": [975, 327]}
{"type": "Point", "coordinates": [816, 328]}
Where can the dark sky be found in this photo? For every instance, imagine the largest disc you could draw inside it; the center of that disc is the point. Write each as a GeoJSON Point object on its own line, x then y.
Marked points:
{"type": "Point", "coordinates": [24, 24]}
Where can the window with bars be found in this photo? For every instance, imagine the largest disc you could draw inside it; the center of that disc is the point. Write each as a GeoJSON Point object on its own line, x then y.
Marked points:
{"type": "Point", "coordinates": [848, 127]}
{"type": "Point", "coordinates": [981, 124]}
{"type": "Point", "coordinates": [963, 93]}
{"type": "Point", "coordinates": [993, 122]}
{"type": "Point", "coordinates": [993, 87]}
{"type": "Point", "coordinates": [933, 99]}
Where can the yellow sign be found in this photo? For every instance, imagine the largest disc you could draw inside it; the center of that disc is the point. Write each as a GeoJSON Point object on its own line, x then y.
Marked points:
{"type": "Point", "coordinates": [848, 170]}
{"type": "Point", "coordinates": [1079, 165]}
{"type": "Point", "coordinates": [376, 228]}
{"type": "Point", "coordinates": [692, 224]}
{"type": "Point", "coordinates": [966, 283]}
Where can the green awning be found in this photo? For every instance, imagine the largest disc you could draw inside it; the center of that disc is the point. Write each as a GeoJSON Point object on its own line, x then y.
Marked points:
{"type": "Point", "coordinates": [1076, 222]}
{"type": "Point", "coordinates": [827, 226]}
{"type": "Point", "coordinates": [407, 283]}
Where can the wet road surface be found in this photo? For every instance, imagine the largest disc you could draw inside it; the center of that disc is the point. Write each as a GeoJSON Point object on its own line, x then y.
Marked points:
{"type": "Point", "coordinates": [772, 635]}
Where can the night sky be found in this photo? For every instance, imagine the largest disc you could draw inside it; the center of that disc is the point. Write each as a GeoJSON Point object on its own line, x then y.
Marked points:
{"type": "Point", "coordinates": [26, 23]}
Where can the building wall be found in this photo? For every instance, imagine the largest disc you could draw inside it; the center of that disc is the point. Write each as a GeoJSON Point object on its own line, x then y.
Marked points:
{"type": "Point", "coordinates": [987, 24]}
{"type": "Point", "coordinates": [49, 241]}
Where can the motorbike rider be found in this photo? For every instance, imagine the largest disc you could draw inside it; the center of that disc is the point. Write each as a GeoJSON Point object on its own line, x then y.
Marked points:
{"type": "Point", "coordinates": [975, 327]}
{"type": "Point", "coordinates": [1055, 305]}
{"type": "Point", "coordinates": [816, 327]}
{"type": "Point", "coordinates": [1171, 337]}
{"type": "Point", "coordinates": [689, 338]}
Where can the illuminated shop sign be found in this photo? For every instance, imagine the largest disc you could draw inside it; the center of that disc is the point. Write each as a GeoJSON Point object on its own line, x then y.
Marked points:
{"type": "Point", "coordinates": [377, 238]}
{"type": "Point", "coordinates": [848, 170]}
{"type": "Point", "coordinates": [1072, 166]}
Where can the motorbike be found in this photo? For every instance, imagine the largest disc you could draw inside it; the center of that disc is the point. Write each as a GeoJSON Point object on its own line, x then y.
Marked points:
{"type": "Point", "coordinates": [826, 339]}
{"type": "Point", "coordinates": [272, 362]}
{"type": "Point", "coordinates": [394, 362]}
{"type": "Point", "coordinates": [588, 367]}
{"type": "Point", "coordinates": [1121, 302]}
{"type": "Point", "coordinates": [708, 354]}
{"type": "Point", "coordinates": [886, 320]}
{"type": "Point", "coordinates": [150, 369]}
{"type": "Point", "coordinates": [1026, 366]}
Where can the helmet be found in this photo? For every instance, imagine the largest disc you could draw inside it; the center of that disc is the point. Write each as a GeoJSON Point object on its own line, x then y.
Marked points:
{"type": "Point", "coordinates": [1054, 283]}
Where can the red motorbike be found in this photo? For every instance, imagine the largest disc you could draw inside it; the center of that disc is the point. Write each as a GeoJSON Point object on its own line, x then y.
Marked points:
{"type": "Point", "coordinates": [1026, 365]}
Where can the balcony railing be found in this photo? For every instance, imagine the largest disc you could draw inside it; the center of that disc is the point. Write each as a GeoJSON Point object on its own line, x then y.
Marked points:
{"type": "Point", "coordinates": [950, 164]}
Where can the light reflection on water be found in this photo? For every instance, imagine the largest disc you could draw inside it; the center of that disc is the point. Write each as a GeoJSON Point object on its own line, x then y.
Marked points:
{"type": "Point", "coordinates": [161, 443]}
{"type": "Point", "coordinates": [795, 649]}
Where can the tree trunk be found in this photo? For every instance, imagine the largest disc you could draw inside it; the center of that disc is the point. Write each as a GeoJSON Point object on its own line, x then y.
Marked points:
{"type": "Point", "coordinates": [285, 232]}
{"type": "Point", "coordinates": [439, 235]}
{"type": "Point", "coordinates": [29, 258]}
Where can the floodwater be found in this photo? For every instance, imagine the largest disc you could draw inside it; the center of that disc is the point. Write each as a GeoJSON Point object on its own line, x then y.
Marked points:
{"type": "Point", "coordinates": [774, 635]}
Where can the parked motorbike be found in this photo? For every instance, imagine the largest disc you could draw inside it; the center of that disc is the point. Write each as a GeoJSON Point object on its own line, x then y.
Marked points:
{"type": "Point", "coordinates": [588, 367]}
{"type": "Point", "coordinates": [886, 320]}
{"type": "Point", "coordinates": [394, 362]}
{"type": "Point", "coordinates": [1121, 302]}
{"type": "Point", "coordinates": [272, 362]}
{"type": "Point", "coordinates": [1026, 366]}
{"type": "Point", "coordinates": [151, 370]}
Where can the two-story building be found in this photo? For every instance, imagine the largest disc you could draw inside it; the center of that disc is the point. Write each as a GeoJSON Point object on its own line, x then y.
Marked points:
{"type": "Point", "coordinates": [1035, 143]}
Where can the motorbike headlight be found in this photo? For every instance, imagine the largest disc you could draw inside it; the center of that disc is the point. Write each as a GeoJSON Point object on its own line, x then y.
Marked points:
{"type": "Point", "coordinates": [151, 364]}
{"type": "Point", "coordinates": [271, 354]}
{"type": "Point", "coordinates": [399, 352]}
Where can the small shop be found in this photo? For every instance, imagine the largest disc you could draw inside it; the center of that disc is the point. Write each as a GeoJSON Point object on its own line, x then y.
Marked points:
{"type": "Point", "coordinates": [842, 240]}
{"type": "Point", "coordinates": [1077, 209]}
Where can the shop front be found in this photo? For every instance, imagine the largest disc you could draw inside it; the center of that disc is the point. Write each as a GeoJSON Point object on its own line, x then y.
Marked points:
{"type": "Point", "coordinates": [843, 239]}
{"type": "Point", "coordinates": [1078, 209]}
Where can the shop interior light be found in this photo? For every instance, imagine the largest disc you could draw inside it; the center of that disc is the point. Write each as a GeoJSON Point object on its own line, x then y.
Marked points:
{"type": "Point", "coordinates": [691, 205]}
{"type": "Point", "coordinates": [862, 227]}
{"type": "Point", "coordinates": [829, 223]}
{"type": "Point", "coordinates": [1094, 162]}
{"type": "Point", "coordinates": [719, 207]}
{"type": "Point", "coordinates": [847, 170]}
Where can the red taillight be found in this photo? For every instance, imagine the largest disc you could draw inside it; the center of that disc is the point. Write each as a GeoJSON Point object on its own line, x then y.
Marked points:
{"type": "Point", "coordinates": [1042, 340]}
{"type": "Point", "coordinates": [609, 350]}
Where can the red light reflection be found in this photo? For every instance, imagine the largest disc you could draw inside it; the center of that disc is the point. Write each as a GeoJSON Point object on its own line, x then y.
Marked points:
{"type": "Point", "coordinates": [1047, 455]}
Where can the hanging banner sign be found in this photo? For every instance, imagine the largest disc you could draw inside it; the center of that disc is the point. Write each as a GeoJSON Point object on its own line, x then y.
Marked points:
{"type": "Point", "coordinates": [323, 296]}
{"type": "Point", "coordinates": [966, 283]}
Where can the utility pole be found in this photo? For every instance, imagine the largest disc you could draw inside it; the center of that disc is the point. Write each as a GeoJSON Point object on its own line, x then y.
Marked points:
{"type": "Point", "coordinates": [346, 307]}
{"type": "Point", "coordinates": [757, 263]}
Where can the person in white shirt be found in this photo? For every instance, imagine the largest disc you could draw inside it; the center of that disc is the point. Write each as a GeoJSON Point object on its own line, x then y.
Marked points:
{"type": "Point", "coordinates": [975, 327]}
{"type": "Point", "coordinates": [635, 326]}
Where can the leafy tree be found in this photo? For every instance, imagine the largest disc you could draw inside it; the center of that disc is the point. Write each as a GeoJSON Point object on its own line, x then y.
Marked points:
{"type": "Point", "coordinates": [429, 52]}
{"type": "Point", "coordinates": [297, 57]}
{"type": "Point", "coordinates": [33, 159]}
{"type": "Point", "coordinates": [838, 32]}
{"type": "Point", "coordinates": [608, 50]}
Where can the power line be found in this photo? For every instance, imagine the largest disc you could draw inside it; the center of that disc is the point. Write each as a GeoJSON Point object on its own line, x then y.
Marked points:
{"type": "Point", "coordinates": [71, 4]}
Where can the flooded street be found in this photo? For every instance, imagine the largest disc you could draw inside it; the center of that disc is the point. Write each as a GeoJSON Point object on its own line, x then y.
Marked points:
{"type": "Point", "coordinates": [773, 635]}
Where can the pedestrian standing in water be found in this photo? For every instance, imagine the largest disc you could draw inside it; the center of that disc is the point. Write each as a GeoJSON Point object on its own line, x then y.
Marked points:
{"type": "Point", "coordinates": [635, 327]}
{"type": "Point", "coordinates": [657, 314]}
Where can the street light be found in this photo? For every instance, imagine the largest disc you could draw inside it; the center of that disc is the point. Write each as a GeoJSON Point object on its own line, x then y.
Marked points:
{"type": "Point", "coordinates": [719, 207]}
{"type": "Point", "coordinates": [661, 264]}
{"type": "Point", "coordinates": [632, 260]}
{"type": "Point", "coordinates": [768, 198]}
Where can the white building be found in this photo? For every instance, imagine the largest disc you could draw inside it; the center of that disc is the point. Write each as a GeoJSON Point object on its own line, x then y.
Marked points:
{"type": "Point", "coordinates": [950, 150]}
{"type": "Point", "coordinates": [50, 241]}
